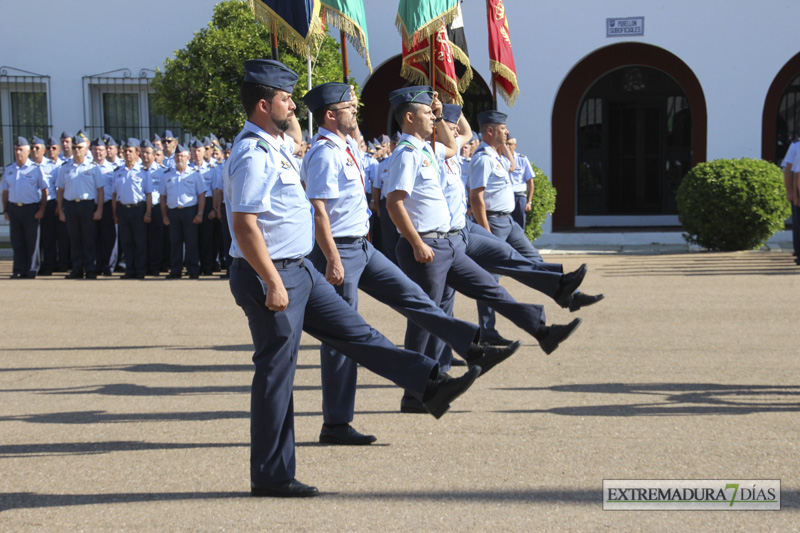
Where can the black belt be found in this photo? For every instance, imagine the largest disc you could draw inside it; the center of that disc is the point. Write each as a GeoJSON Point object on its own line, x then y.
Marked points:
{"type": "Point", "coordinates": [279, 263]}
{"type": "Point", "coordinates": [20, 204]}
{"type": "Point", "coordinates": [183, 206]}
{"type": "Point", "coordinates": [137, 204]}
{"type": "Point", "coordinates": [79, 200]}
{"type": "Point", "coordinates": [349, 240]}
{"type": "Point", "coordinates": [497, 214]}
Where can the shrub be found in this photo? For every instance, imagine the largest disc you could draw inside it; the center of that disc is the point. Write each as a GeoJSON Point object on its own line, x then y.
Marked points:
{"type": "Point", "coordinates": [543, 204]}
{"type": "Point", "coordinates": [732, 204]}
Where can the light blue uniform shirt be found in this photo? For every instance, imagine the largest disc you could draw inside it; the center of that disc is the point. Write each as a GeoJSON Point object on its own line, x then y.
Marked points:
{"type": "Point", "coordinates": [261, 177]}
{"type": "Point", "coordinates": [454, 192]}
{"type": "Point", "coordinates": [331, 174]}
{"type": "Point", "coordinates": [132, 185]}
{"type": "Point", "coordinates": [169, 161]}
{"type": "Point", "coordinates": [155, 171]}
{"type": "Point", "coordinates": [107, 169]}
{"type": "Point", "coordinates": [382, 175]}
{"type": "Point", "coordinates": [50, 171]}
{"type": "Point", "coordinates": [183, 189]}
{"type": "Point", "coordinates": [24, 183]}
{"type": "Point", "coordinates": [417, 174]}
{"type": "Point", "coordinates": [208, 172]}
{"type": "Point", "coordinates": [522, 173]}
{"type": "Point", "coordinates": [80, 182]}
{"type": "Point", "coordinates": [490, 170]}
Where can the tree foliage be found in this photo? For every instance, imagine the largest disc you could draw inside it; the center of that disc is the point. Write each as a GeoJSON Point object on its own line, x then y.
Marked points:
{"type": "Point", "coordinates": [732, 204]}
{"type": "Point", "coordinates": [199, 87]}
{"type": "Point", "coordinates": [543, 204]}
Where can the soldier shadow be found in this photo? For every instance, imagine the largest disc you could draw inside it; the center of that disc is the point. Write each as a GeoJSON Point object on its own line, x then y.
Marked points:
{"type": "Point", "coordinates": [129, 389]}
{"type": "Point", "coordinates": [98, 448]}
{"type": "Point", "coordinates": [790, 499]}
{"type": "Point", "coordinates": [676, 399]}
{"type": "Point", "coordinates": [705, 264]}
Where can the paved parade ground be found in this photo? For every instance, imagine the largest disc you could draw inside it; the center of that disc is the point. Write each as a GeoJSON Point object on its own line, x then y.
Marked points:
{"type": "Point", "coordinates": [125, 408]}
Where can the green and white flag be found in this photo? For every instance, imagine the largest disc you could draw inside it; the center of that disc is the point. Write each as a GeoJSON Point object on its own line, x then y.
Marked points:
{"type": "Point", "coordinates": [419, 19]}
{"type": "Point", "coordinates": [348, 16]}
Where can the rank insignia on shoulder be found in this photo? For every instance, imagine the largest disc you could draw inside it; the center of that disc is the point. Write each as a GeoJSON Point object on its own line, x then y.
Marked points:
{"type": "Point", "coordinates": [263, 145]}
{"type": "Point", "coordinates": [285, 164]}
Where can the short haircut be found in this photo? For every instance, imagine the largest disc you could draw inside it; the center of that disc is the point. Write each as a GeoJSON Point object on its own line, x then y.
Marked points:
{"type": "Point", "coordinates": [319, 114]}
{"type": "Point", "coordinates": [252, 93]}
{"type": "Point", "coordinates": [402, 109]}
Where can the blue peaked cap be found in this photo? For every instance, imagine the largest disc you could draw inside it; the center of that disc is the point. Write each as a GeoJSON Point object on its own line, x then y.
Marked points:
{"type": "Point", "coordinates": [270, 73]}
{"type": "Point", "coordinates": [491, 117]}
{"type": "Point", "coordinates": [419, 94]}
{"type": "Point", "coordinates": [332, 92]}
{"type": "Point", "coordinates": [451, 112]}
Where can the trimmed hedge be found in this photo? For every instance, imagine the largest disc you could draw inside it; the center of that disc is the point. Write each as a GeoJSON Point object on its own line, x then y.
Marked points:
{"type": "Point", "coordinates": [732, 204]}
{"type": "Point", "coordinates": [543, 204]}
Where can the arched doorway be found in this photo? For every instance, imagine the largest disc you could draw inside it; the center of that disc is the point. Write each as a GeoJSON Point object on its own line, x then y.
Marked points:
{"type": "Point", "coordinates": [780, 122]}
{"type": "Point", "coordinates": [378, 118]}
{"type": "Point", "coordinates": [628, 122]}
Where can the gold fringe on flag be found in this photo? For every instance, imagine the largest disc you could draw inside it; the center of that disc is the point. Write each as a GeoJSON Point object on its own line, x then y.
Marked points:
{"type": "Point", "coordinates": [298, 43]}
{"type": "Point", "coordinates": [504, 72]}
{"type": "Point", "coordinates": [355, 35]}
{"type": "Point", "coordinates": [462, 58]}
{"type": "Point", "coordinates": [428, 29]}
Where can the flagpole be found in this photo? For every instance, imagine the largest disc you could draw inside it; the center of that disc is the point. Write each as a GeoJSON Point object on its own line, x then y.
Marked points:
{"type": "Point", "coordinates": [345, 68]}
{"type": "Point", "coordinates": [274, 35]}
{"type": "Point", "coordinates": [310, 118]}
{"type": "Point", "coordinates": [433, 82]}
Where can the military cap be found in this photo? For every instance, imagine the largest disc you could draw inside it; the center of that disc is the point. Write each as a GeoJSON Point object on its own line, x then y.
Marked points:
{"type": "Point", "coordinates": [384, 139]}
{"type": "Point", "coordinates": [370, 146]}
{"type": "Point", "coordinates": [97, 142]}
{"type": "Point", "coordinates": [168, 135]}
{"type": "Point", "coordinates": [475, 137]}
{"type": "Point", "coordinates": [145, 144]}
{"type": "Point", "coordinates": [181, 148]}
{"type": "Point", "coordinates": [206, 141]}
{"type": "Point", "coordinates": [131, 142]}
{"type": "Point", "coordinates": [212, 137]}
{"type": "Point", "coordinates": [110, 141]}
{"type": "Point", "coordinates": [270, 73]}
{"type": "Point", "coordinates": [80, 137]}
{"type": "Point", "coordinates": [419, 94]}
{"type": "Point", "coordinates": [197, 144]}
{"type": "Point", "coordinates": [51, 141]}
{"type": "Point", "coordinates": [65, 135]}
{"type": "Point", "coordinates": [396, 136]}
{"type": "Point", "coordinates": [228, 146]}
{"type": "Point", "coordinates": [21, 141]}
{"type": "Point", "coordinates": [37, 140]}
{"type": "Point", "coordinates": [491, 117]}
{"type": "Point", "coordinates": [451, 112]}
{"type": "Point", "coordinates": [332, 92]}
{"type": "Point", "coordinates": [156, 137]}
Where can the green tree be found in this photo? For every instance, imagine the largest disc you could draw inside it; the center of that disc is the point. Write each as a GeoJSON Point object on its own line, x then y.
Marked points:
{"type": "Point", "coordinates": [199, 87]}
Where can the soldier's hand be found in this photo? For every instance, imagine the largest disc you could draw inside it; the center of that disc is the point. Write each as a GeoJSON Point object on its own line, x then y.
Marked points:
{"type": "Point", "coordinates": [277, 298]}
{"type": "Point", "coordinates": [334, 273]}
{"type": "Point", "coordinates": [212, 214]}
{"type": "Point", "coordinates": [39, 214]}
{"type": "Point", "coordinates": [165, 220]}
{"type": "Point", "coordinates": [198, 218]}
{"type": "Point", "coordinates": [436, 105]}
{"type": "Point", "coordinates": [423, 253]}
{"type": "Point", "coordinates": [97, 215]}
{"type": "Point", "coordinates": [5, 216]}
{"type": "Point", "coordinates": [61, 216]}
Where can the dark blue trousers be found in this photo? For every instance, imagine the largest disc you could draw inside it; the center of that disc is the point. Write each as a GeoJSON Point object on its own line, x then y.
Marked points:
{"type": "Point", "coordinates": [518, 215]}
{"type": "Point", "coordinates": [367, 269]}
{"type": "Point", "coordinates": [133, 237]}
{"type": "Point", "coordinates": [451, 266]}
{"type": "Point", "coordinates": [226, 240]}
{"type": "Point", "coordinates": [796, 229]}
{"type": "Point", "coordinates": [156, 237]}
{"type": "Point", "coordinates": [183, 232]}
{"type": "Point", "coordinates": [314, 307]}
{"type": "Point", "coordinates": [206, 239]}
{"type": "Point", "coordinates": [24, 233]}
{"type": "Point", "coordinates": [389, 233]}
{"type": "Point", "coordinates": [106, 239]}
{"type": "Point", "coordinates": [48, 237]}
{"type": "Point", "coordinates": [82, 234]}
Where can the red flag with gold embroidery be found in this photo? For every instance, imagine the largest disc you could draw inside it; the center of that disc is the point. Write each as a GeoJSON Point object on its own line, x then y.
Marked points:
{"type": "Point", "coordinates": [501, 58]}
{"type": "Point", "coordinates": [416, 62]}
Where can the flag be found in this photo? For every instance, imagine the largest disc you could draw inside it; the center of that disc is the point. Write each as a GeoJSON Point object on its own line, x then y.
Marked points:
{"type": "Point", "coordinates": [416, 64]}
{"type": "Point", "coordinates": [501, 58]}
{"type": "Point", "coordinates": [458, 45]}
{"type": "Point", "coordinates": [297, 22]}
{"type": "Point", "coordinates": [419, 19]}
{"type": "Point", "coordinates": [348, 16]}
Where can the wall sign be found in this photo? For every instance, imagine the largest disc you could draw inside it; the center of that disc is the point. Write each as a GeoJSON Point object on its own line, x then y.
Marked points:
{"type": "Point", "coordinates": [625, 27]}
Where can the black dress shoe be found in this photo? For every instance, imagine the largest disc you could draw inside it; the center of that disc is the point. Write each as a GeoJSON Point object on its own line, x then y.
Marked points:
{"type": "Point", "coordinates": [128, 275]}
{"type": "Point", "coordinates": [194, 276]}
{"type": "Point", "coordinates": [412, 405]}
{"type": "Point", "coordinates": [495, 339]}
{"type": "Point", "coordinates": [438, 397]}
{"type": "Point", "coordinates": [15, 276]}
{"type": "Point", "coordinates": [344, 435]}
{"type": "Point", "coordinates": [45, 272]}
{"type": "Point", "coordinates": [75, 274]}
{"type": "Point", "coordinates": [550, 337]}
{"type": "Point", "coordinates": [107, 272]}
{"type": "Point", "coordinates": [288, 489]}
{"type": "Point", "coordinates": [91, 275]}
{"type": "Point", "coordinates": [490, 356]}
{"type": "Point", "coordinates": [174, 275]}
{"type": "Point", "coordinates": [458, 362]}
{"type": "Point", "coordinates": [580, 299]}
{"type": "Point", "coordinates": [568, 284]}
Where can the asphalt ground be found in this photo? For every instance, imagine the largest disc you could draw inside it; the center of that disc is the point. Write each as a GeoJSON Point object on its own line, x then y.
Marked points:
{"type": "Point", "coordinates": [125, 408]}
